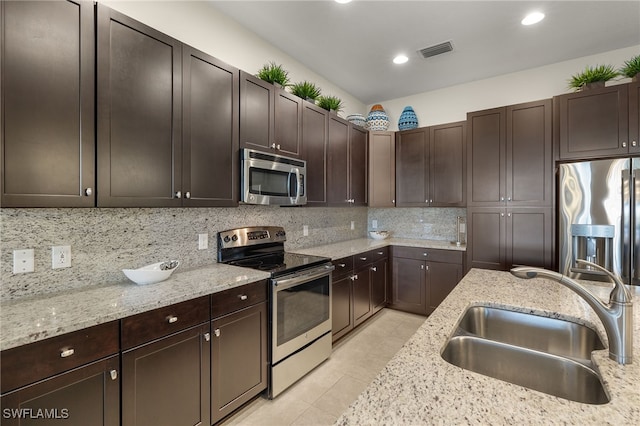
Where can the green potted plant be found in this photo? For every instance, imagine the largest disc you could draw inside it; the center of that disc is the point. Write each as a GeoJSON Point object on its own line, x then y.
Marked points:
{"type": "Point", "coordinates": [631, 68]}
{"type": "Point", "coordinates": [305, 90]}
{"type": "Point", "coordinates": [330, 103]}
{"type": "Point", "coordinates": [592, 77]}
{"type": "Point", "coordinates": [274, 73]}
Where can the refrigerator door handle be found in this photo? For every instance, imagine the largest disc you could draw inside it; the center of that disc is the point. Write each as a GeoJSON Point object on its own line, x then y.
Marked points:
{"type": "Point", "coordinates": [627, 188]}
{"type": "Point", "coordinates": [634, 195]}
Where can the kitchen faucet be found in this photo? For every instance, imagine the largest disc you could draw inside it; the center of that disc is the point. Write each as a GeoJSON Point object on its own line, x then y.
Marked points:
{"type": "Point", "coordinates": [617, 316]}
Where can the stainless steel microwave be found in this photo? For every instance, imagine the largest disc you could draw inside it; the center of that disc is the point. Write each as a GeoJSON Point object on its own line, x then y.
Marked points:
{"type": "Point", "coordinates": [272, 179]}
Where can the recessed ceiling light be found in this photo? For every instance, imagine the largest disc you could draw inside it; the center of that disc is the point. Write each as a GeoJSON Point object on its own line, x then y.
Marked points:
{"type": "Point", "coordinates": [532, 18]}
{"type": "Point", "coordinates": [400, 59]}
{"type": "Point", "coordinates": [343, 1]}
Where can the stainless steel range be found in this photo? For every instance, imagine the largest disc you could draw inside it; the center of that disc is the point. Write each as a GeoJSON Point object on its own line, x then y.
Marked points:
{"type": "Point", "coordinates": [299, 300]}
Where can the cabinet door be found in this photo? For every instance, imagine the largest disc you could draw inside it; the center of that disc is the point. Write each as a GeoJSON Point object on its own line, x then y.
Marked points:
{"type": "Point", "coordinates": [593, 123]}
{"type": "Point", "coordinates": [256, 113]}
{"type": "Point", "coordinates": [409, 286]}
{"type": "Point", "coordinates": [341, 307]}
{"type": "Point", "coordinates": [486, 163]}
{"type": "Point", "coordinates": [288, 124]}
{"type": "Point", "coordinates": [448, 165]}
{"type": "Point", "coordinates": [209, 131]}
{"type": "Point", "coordinates": [442, 278]}
{"type": "Point", "coordinates": [338, 162]}
{"type": "Point", "coordinates": [238, 359]}
{"type": "Point", "coordinates": [529, 236]}
{"type": "Point", "coordinates": [362, 308]}
{"type": "Point", "coordinates": [139, 114]}
{"type": "Point", "coordinates": [47, 151]}
{"type": "Point", "coordinates": [487, 238]}
{"type": "Point", "coordinates": [314, 139]}
{"type": "Point", "coordinates": [358, 165]}
{"type": "Point", "coordinates": [529, 171]}
{"type": "Point", "coordinates": [87, 395]}
{"type": "Point", "coordinates": [382, 169]}
{"type": "Point", "coordinates": [634, 117]}
{"type": "Point", "coordinates": [378, 273]}
{"type": "Point", "coordinates": [166, 382]}
{"type": "Point", "coordinates": [412, 168]}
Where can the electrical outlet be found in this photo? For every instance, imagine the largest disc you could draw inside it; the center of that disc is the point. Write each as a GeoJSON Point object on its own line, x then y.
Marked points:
{"type": "Point", "coordinates": [23, 261]}
{"type": "Point", "coordinates": [60, 257]}
{"type": "Point", "coordinates": [305, 230]}
{"type": "Point", "coordinates": [353, 225]}
{"type": "Point", "coordinates": [203, 241]}
{"type": "Point", "coordinates": [374, 224]}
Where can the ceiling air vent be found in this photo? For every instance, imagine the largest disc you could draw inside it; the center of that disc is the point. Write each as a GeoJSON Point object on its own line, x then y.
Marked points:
{"type": "Point", "coordinates": [436, 49]}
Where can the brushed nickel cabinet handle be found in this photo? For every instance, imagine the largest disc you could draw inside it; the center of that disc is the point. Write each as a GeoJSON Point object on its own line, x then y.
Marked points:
{"type": "Point", "coordinates": [171, 319]}
{"type": "Point", "coordinates": [216, 332]}
{"type": "Point", "coordinates": [374, 269]}
{"type": "Point", "coordinates": [624, 144]}
{"type": "Point", "coordinates": [363, 258]}
{"type": "Point", "coordinates": [67, 353]}
{"type": "Point", "coordinates": [179, 194]}
{"type": "Point", "coordinates": [113, 374]}
{"type": "Point", "coordinates": [187, 195]}
{"type": "Point", "coordinates": [342, 265]}
{"type": "Point", "coordinates": [207, 337]}
{"type": "Point", "coordinates": [88, 191]}
{"type": "Point", "coordinates": [243, 297]}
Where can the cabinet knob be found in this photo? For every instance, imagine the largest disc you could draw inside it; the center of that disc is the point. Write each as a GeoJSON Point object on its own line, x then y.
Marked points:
{"type": "Point", "coordinates": [501, 214]}
{"type": "Point", "coordinates": [207, 337]}
{"type": "Point", "coordinates": [634, 143]}
{"type": "Point", "coordinates": [422, 267]}
{"type": "Point", "coordinates": [187, 194]}
{"type": "Point", "coordinates": [374, 269]}
{"type": "Point", "coordinates": [66, 353]}
{"type": "Point", "coordinates": [273, 145]}
{"type": "Point", "coordinates": [243, 297]}
{"type": "Point", "coordinates": [393, 201]}
{"type": "Point", "coordinates": [501, 198]}
{"type": "Point", "coordinates": [380, 253]}
{"type": "Point", "coordinates": [424, 254]}
{"type": "Point", "coordinates": [216, 332]}
{"type": "Point", "coordinates": [509, 214]}
{"type": "Point", "coordinates": [509, 199]}
{"type": "Point", "coordinates": [363, 258]}
{"type": "Point", "coordinates": [430, 201]}
{"type": "Point", "coordinates": [179, 194]}
{"type": "Point", "coordinates": [88, 191]}
{"type": "Point", "coordinates": [624, 144]}
{"type": "Point", "coordinates": [278, 146]}
{"type": "Point", "coordinates": [171, 319]}
{"type": "Point", "coordinates": [342, 265]}
{"type": "Point", "coordinates": [113, 374]}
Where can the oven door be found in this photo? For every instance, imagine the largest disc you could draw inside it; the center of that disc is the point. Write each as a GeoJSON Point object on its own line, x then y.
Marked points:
{"type": "Point", "coordinates": [300, 310]}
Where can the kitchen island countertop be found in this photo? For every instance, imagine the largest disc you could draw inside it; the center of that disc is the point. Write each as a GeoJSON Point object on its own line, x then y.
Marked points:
{"type": "Point", "coordinates": [418, 387]}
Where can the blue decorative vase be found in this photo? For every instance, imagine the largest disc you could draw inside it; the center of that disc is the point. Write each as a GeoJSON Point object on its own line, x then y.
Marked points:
{"type": "Point", "coordinates": [377, 120]}
{"type": "Point", "coordinates": [357, 119]}
{"type": "Point", "coordinates": [408, 119]}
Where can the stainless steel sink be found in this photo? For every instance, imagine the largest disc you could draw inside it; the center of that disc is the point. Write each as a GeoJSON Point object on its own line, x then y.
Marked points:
{"type": "Point", "coordinates": [545, 354]}
{"type": "Point", "coordinates": [555, 336]}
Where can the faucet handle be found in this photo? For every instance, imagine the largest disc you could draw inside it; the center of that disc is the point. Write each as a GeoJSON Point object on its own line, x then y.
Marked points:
{"type": "Point", "coordinates": [620, 293]}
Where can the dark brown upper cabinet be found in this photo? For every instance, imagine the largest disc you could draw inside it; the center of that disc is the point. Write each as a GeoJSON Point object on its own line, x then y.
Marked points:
{"type": "Point", "coordinates": [167, 120]}
{"type": "Point", "coordinates": [315, 121]}
{"type": "Point", "coordinates": [510, 159]}
{"type": "Point", "coordinates": [210, 163]}
{"type": "Point", "coordinates": [270, 118]}
{"type": "Point", "coordinates": [47, 153]}
{"type": "Point", "coordinates": [382, 169]}
{"type": "Point", "coordinates": [431, 166]}
{"type": "Point", "coordinates": [346, 163]}
{"type": "Point", "coordinates": [139, 114]}
{"type": "Point", "coordinates": [634, 117]}
{"type": "Point", "coordinates": [594, 123]}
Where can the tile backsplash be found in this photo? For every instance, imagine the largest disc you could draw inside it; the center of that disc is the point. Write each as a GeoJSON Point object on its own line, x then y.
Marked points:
{"type": "Point", "coordinates": [103, 241]}
{"type": "Point", "coordinates": [422, 223]}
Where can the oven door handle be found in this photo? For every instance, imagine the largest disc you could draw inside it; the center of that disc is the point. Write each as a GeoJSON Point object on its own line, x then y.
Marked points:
{"type": "Point", "coordinates": [286, 283]}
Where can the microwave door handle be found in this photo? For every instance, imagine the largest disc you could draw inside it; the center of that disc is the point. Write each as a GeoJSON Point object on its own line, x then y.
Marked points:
{"type": "Point", "coordinates": [297, 197]}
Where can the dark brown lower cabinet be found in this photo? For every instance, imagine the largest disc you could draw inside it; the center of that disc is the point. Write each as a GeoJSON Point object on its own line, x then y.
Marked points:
{"type": "Point", "coordinates": [379, 276]}
{"type": "Point", "coordinates": [361, 296]}
{"type": "Point", "coordinates": [87, 395]}
{"type": "Point", "coordinates": [167, 381]}
{"type": "Point", "coordinates": [238, 359]}
{"type": "Point", "coordinates": [423, 278]}
{"type": "Point", "coordinates": [341, 298]}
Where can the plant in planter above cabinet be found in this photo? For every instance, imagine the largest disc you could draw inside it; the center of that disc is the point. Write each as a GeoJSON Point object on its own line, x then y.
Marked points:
{"type": "Point", "coordinates": [631, 68]}
{"type": "Point", "coordinates": [330, 103]}
{"type": "Point", "coordinates": [274, 73]}
{"type": "Point", "coordinates": [592, 77]}
{"type": "Point", "coordinates": [305, 90]}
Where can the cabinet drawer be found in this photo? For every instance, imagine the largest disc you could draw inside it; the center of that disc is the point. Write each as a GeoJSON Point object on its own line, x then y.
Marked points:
{"type": "Point", "coordinates": [231, 300]}
{"type": "Point", "coordinates": [370, 257]}
{"type": "Point", "coordinates": [343, 267]}
{"type": "Point", "coordinates": [147, 326]}
{"type": "Point", "coordinates": [36, 361]}
{"type": "Point", "coordinates": [430, 255]}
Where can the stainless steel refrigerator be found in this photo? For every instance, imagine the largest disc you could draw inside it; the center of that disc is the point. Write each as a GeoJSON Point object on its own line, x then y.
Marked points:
{"type": "Point", "coordinates": [599, 218]}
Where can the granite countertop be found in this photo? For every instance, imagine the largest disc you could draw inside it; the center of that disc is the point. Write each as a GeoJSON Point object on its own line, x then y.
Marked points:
{"type": "Point", "coordinates": [418, 387]}
{"type": "Point", "coordinates": [351, 247]}
{"type": "Point", "coordinates": [29, 320]}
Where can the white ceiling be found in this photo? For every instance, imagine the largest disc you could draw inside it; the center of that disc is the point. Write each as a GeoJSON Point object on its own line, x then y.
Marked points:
{"type": "Point", "coordinates": [353, 45]}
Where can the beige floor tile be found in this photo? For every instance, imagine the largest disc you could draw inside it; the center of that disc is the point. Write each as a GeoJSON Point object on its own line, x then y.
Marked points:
{"type": "Point", "coordinates": [278, 412]}
{"type": "Point", "coordinates": [315, 417]}
{"type": "Point", "coordinates": [336, 400]}
{"type": "Point", "coordinates": [313, 385]}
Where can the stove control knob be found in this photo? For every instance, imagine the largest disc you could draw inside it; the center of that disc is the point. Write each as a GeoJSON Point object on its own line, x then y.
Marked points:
{"type": "Point", "coordinates": [234, 237]}
{"type": "Point", "coordinates": [226, 239]}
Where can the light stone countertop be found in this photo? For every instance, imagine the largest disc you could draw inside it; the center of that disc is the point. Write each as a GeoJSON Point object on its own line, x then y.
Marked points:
{"type": "Point", "coordinates": [29, 320]}
{"type": "Point", "coordinates": [417, 387]}
{"type": "Point", "coordinates": [351, 247]}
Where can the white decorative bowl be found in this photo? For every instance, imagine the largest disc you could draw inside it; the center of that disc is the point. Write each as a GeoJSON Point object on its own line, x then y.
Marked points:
{"type": "Point", "coordinates": [379, 235]}
{"type": "Point", "coordinates": [153, 273]}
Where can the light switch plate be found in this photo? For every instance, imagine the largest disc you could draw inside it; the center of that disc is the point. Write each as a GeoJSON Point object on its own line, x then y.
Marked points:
{"type": "Point", "coordinates": [374, 224]}
{"type": "Point", "coordinates": [203, 241]}
{"type": "Point", "coordinates": [60, 257]}
{"type": "Point", "coordinates": [305, 230]}
{"type": "Point", "coordinates": [23, 261]}
{"type": "Point", "coordinates": [353, 225]}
